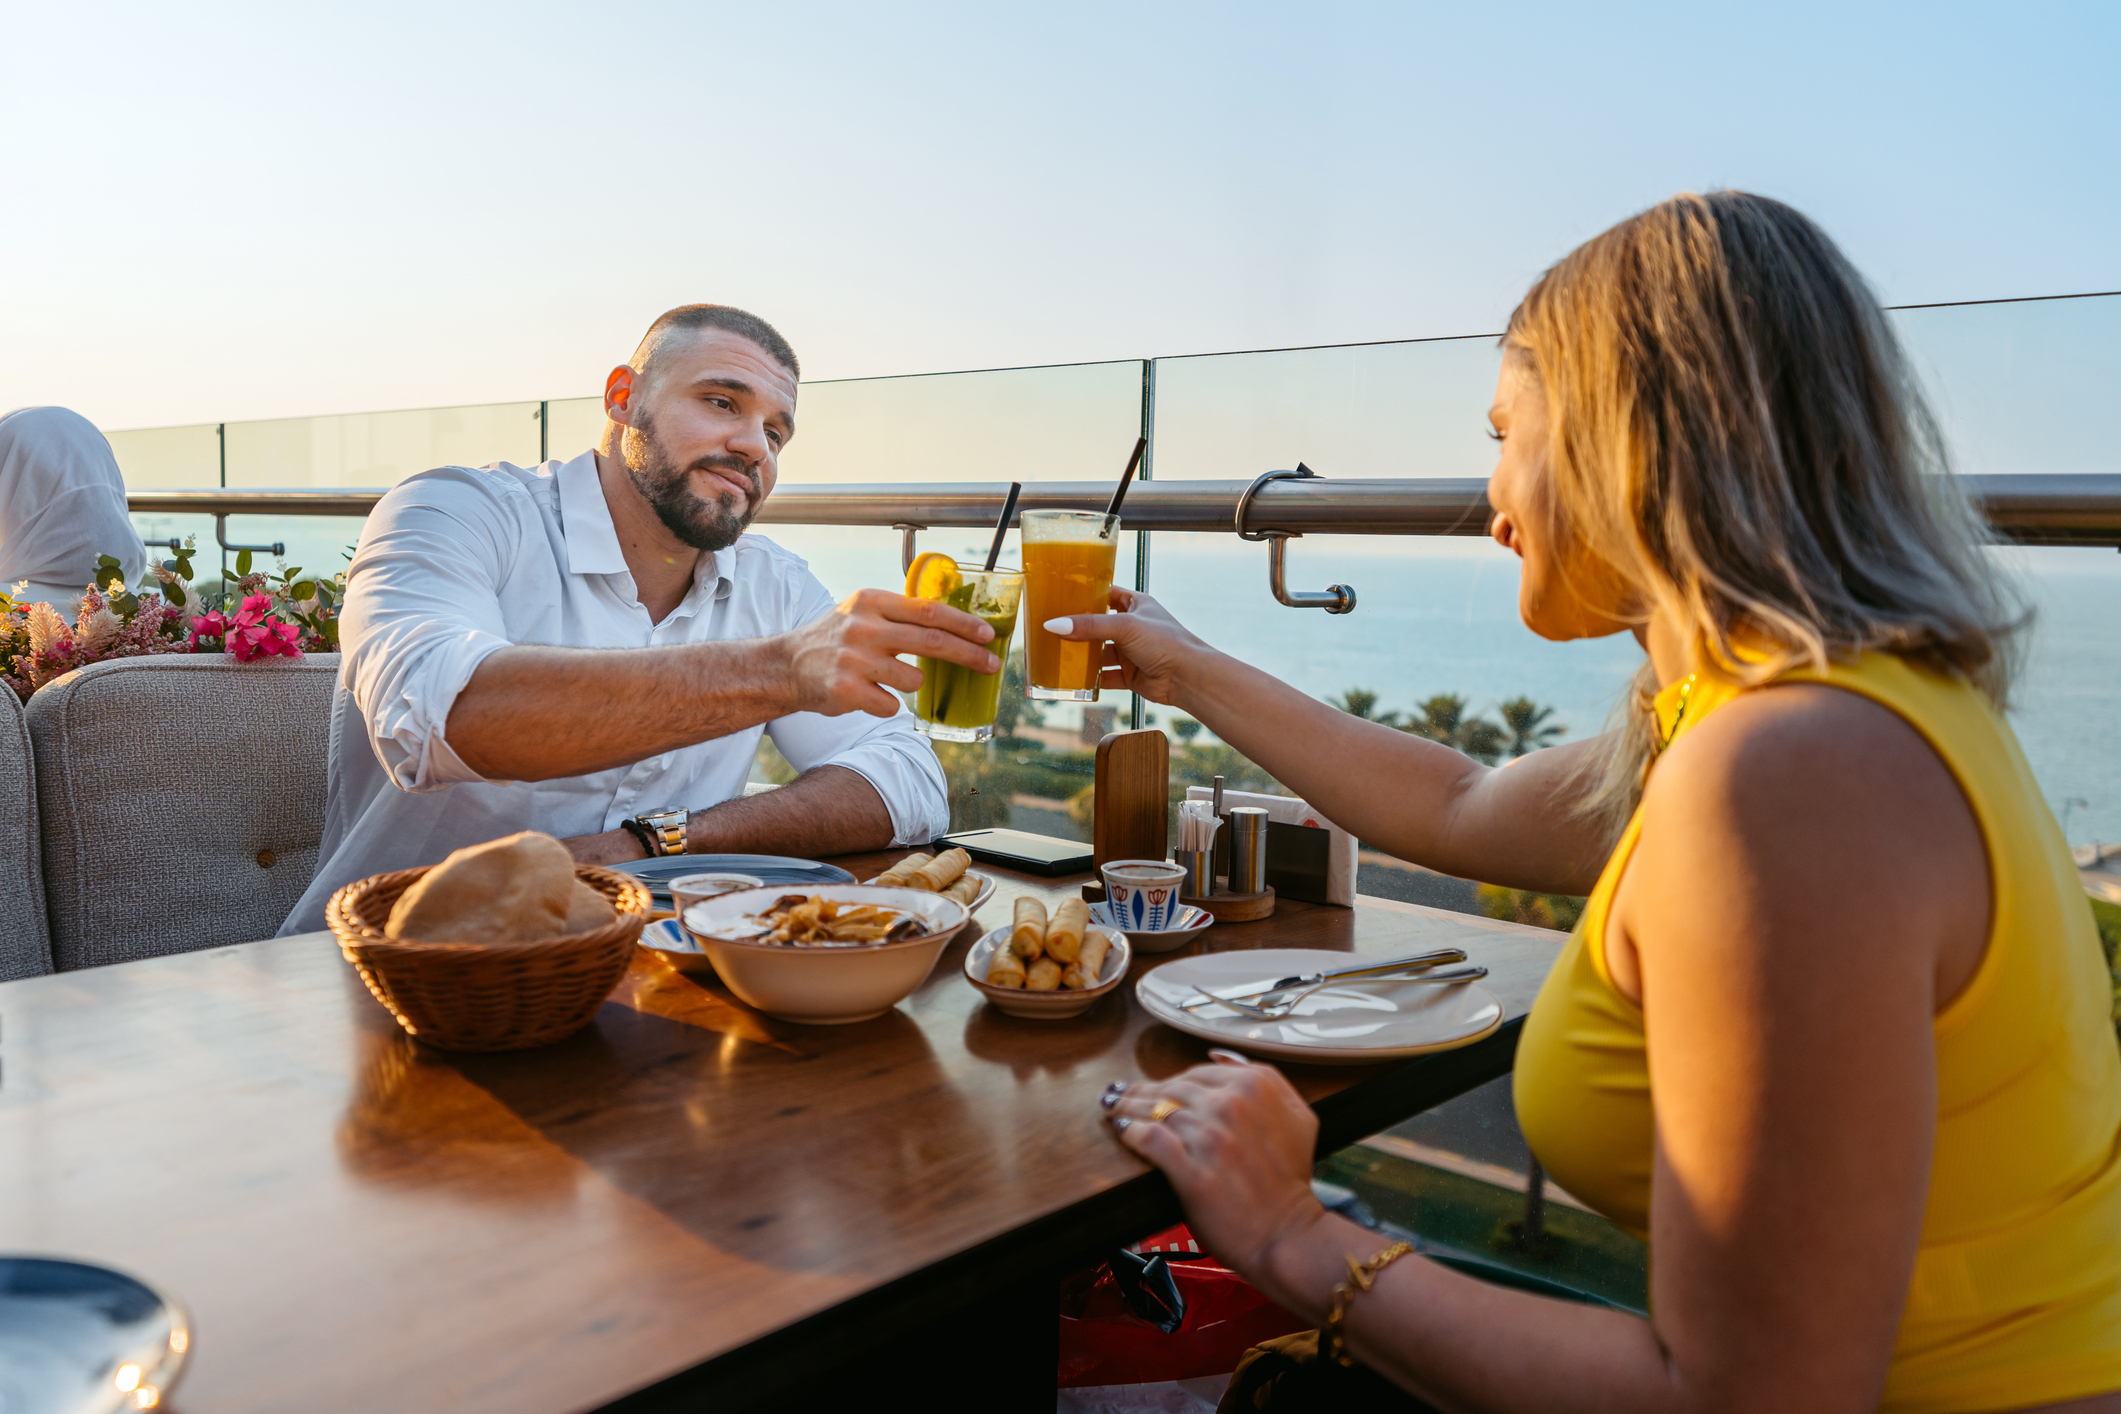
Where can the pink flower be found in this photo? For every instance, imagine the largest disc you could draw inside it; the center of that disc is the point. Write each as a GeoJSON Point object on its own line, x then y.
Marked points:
{"type": "Point", "coordinates": [264, 640]}
{"type": "Point", "coordinates": [212, 625]}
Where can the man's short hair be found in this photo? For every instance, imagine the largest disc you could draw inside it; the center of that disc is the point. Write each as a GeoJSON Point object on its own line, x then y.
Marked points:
{"type": "Point", "coordinates": [658, 346]}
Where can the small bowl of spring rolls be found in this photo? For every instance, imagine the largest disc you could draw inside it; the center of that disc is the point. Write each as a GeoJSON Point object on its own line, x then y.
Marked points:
{"type": "Point", "coordinates": [825, 954]}
{"type": "Point", "coordinates": [1048, 967]}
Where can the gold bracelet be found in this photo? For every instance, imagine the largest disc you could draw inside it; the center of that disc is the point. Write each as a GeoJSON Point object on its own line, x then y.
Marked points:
{"type": "Point", "coordinates": [1361, 1277]}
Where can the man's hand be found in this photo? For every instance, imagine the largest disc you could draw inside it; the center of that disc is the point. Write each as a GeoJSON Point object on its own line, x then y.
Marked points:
{"type": "Point", "coordinates": [845, 661]}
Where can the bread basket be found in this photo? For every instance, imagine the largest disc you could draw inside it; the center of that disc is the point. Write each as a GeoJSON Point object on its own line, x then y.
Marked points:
{"type": "Point", "coordinates": [487, 996]}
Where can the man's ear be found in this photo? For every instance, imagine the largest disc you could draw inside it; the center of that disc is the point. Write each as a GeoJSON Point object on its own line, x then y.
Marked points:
{"type": "Point", "coordinates": [618, 395]}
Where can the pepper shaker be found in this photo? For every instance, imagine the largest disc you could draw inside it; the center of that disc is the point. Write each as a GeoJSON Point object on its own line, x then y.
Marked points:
{"type": "Point", "coordinates": [1248, 850]}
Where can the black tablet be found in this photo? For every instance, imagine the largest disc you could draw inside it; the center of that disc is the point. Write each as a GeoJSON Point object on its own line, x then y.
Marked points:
{"type": "Point", "coordinates": [1019, 849]}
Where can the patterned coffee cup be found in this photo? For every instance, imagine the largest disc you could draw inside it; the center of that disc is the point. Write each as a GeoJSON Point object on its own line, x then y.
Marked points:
{"type": "Point", "coordinates": [1142, 894]}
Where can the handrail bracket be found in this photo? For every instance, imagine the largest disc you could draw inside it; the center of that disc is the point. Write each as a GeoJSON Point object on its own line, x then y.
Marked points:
{"type": "Point", "coordinates": [1338, 599]}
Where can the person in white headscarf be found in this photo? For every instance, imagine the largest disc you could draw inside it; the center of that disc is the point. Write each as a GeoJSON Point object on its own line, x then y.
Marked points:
{"type": "Point", "coordinates": [62, 504]}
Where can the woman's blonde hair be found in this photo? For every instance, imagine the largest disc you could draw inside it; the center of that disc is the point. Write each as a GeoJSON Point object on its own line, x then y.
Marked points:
{"type": "Point", "coordinates": [1734, 429]}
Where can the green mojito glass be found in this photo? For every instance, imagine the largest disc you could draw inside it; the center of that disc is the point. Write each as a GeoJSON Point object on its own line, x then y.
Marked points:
{"type": "Point", "coordinates": [955, 703]}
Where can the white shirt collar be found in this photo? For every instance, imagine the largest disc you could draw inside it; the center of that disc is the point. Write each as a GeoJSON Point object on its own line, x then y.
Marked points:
{"type": "Point", "coordinates": [593, 540]}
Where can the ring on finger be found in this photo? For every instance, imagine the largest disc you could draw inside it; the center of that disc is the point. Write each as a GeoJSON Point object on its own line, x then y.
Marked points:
{"type": "Point", "coordinates": [1163, 1109]}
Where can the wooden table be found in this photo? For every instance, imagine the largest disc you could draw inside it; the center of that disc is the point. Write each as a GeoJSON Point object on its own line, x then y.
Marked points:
{"type": "Point", "coordinates": [688, 1203]}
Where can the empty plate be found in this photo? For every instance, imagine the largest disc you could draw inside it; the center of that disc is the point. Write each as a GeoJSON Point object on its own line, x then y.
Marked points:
{"type": "Point", "coordinates": [77, 1339]}
{"type": "Point", "coordinates": [766, 868]}
{"type": "Point", "coordinates": [1353, 1023]}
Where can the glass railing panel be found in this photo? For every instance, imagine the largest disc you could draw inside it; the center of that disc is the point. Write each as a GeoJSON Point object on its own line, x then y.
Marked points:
{"type": "Point", "coordinates": [572, 427]}
{"type": "Point", "coordinates": [362, 449]}
{"type": "Point", "coordinates": [162, 458]}
{"type": "Point", "coordinates": [1404, 409]}
{"type": "Point", "coordinates": [379, 448]}
{"type": "Point", "coordinates": [170, 458]}
{"type": "Point", "coordinates": [1068, 422]}
{"type": "Point", "coordinates": [2024, 386]}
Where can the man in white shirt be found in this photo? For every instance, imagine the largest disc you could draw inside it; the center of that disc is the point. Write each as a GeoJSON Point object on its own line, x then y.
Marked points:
{"type": "Point", "coordinates": [593, 647]}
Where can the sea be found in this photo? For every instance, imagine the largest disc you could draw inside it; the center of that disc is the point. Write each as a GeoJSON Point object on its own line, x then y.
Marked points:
{"type": "Point", "coordinates": [1440, 616]}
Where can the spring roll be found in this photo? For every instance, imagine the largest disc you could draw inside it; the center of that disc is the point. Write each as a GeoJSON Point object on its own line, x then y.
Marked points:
{"type": "Point", "coordinates": [965, 889]}
{"type": "Point", "coordinates": [1082, 974]}
{"type": "Point", "coordinates": [1006, 970]}
{"type": "Point", "coordinates": [1028, 938]}
{"type": "Point", "coordinates": [1064, 935]}
{"type": "Point", "coordinates": [896, 876]}
{"type": "Point", "coordinates": [941, 872]}
{"type": "Point", "coordinates": [1044, 976]}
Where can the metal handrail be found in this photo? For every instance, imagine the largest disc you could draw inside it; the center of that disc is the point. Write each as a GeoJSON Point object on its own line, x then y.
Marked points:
{"type": "Point", "coordinates": [2080, 509]}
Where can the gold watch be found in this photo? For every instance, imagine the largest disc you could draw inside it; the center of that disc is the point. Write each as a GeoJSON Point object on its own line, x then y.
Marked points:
{"type": "Point", "coordinates": [663, 831]}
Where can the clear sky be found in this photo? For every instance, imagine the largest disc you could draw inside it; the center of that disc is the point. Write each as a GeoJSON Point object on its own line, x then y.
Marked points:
{"type": "Point", "coordinates": [237, 211]}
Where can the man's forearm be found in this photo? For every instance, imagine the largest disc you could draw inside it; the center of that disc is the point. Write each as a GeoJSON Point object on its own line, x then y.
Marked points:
{"type": "Point", "coordinates": [534, 713]}
{"type": "Point", "coordinates": [828, 810]}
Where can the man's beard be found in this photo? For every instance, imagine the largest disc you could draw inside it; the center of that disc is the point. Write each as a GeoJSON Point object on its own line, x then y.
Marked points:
{"type": "Point", "coordinates": [701, 523]}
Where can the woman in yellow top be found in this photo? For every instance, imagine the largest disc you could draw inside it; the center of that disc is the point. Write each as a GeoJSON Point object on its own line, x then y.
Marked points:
{"type": "Point", "coordinates": [1833, 1035]}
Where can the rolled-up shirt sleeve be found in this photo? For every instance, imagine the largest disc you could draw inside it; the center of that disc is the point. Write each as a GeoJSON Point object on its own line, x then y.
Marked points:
{"type": "Point", "coordinates": [423, 610]}
{"type": "Point", "coordinates": [888, 752]}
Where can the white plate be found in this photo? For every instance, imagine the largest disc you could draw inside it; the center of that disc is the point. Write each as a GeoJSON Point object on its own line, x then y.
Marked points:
{"type": "Point", "coordinates": [1193, 921]}
{"type": "Point", "coordinates": [1352, 1025]}
{"type": "Point", "coordinates": [1047, 1006]}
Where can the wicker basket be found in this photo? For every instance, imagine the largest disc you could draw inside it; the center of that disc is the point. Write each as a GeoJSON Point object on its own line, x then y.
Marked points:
{"type": "Point", "coordinates": [487, 996]}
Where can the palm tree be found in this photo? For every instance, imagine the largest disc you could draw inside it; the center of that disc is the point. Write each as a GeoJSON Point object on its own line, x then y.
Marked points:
{"type": "Point", "coordinates": [1443, 719]}
{"type": "Point", "coordinates": [1361, 702]}
{"type": "Point", "coordinates": [1522, 720]}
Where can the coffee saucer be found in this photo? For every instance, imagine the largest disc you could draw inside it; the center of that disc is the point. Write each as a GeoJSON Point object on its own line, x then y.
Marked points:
{"type": "Point", "coordinates": [1189, 923]}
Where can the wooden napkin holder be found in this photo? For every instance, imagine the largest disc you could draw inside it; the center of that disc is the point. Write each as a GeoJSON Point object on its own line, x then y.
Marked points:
{"type": "Point", "coordinates": [1131, 816]}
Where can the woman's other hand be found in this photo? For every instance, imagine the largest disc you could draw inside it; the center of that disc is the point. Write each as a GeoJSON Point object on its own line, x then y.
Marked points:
{"type": "Point", "coordinates": [1146, 650]}
{"type": "Point", "coordinates": [1238, 1151]}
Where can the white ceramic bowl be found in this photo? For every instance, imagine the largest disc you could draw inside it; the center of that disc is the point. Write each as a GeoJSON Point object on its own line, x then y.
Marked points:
{"type": "Point", "coordinates": [825, 986]}
{"type": "Point", "coordinates": [1046, 1006]}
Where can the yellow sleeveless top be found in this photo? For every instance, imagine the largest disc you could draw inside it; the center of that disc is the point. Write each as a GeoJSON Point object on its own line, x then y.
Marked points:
{"type": "Point", "coordinates": [2016, 1296]}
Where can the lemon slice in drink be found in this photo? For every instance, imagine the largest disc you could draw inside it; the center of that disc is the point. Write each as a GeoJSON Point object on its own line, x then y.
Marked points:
{"type": "Point", "coordinates": [933, 575]}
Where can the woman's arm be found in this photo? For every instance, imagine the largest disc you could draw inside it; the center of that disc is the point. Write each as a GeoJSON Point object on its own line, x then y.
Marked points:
{"type": "Point", "coordinates": [1800, 907]}
{"type": "Point", "coordinates": [1412, 798]}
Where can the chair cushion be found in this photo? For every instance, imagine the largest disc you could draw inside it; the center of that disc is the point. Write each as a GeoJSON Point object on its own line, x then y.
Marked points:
{"type": "Point", "coordinates": [181, 800]}
{"type": "Point", "coordinates": [25, 945]}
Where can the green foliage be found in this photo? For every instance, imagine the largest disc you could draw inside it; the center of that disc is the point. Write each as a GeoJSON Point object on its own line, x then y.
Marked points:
{"type": "Point", "coordinates": [2108, 918]}
{"type": "Point", "coordinates": [1013, 706]}
{"type": "Point", "coordinates": [1361, 702]}
{"type": "Point", "coordinates": [1443, 719]}
{"type": "Point", "coordinates": [1556, 911]}
{"type": "Point", "coordinates": [1525, 723]}
{"type": "Point", "coordinates": [983, 784]}
{"type": "Point", "coordinates": [769, 765]}
{"type": "Point", "coordinates": [1187, 729]}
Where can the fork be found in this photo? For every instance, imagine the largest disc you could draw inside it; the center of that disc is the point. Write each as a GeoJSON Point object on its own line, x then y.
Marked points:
{"type": "Point", "coordinates": [1286, 1003]}
{"type": "Point", "coordinates": [1418, 962]}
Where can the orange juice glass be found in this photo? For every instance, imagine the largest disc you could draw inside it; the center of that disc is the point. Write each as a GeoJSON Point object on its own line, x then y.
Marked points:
{"type": "Point", "coordinates": [1068, 561]}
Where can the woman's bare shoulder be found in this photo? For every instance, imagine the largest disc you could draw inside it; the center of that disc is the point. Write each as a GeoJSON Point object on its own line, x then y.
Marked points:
{"type": "Point", "coordinates": [1820, 815]}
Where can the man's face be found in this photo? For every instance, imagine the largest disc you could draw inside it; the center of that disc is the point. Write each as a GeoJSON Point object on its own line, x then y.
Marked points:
{"type": "Point", "coordinates": [703, 442]}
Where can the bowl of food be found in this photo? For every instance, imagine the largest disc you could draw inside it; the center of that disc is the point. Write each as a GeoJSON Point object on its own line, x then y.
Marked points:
{"type": "Point", "coordinates": [1048, 968]}
{"type": "Point", "coordinates": [828, 954]}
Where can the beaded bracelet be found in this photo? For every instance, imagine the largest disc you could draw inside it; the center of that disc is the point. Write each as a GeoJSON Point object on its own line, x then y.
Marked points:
{"type": "Point", "coordinates": [1361, 1277]}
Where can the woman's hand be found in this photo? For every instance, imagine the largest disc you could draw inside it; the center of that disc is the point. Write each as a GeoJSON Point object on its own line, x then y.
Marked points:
{"type": "Point", "coordinates": [1239, 1152]}
{"type": "Point", "coordinates": [1146, 650]}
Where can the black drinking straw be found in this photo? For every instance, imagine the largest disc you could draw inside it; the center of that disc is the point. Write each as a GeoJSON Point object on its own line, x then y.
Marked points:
{"type": "Point", "coordinates": [1141, 444]}
{"type": "Point", "coordinates": [1001, 527]}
